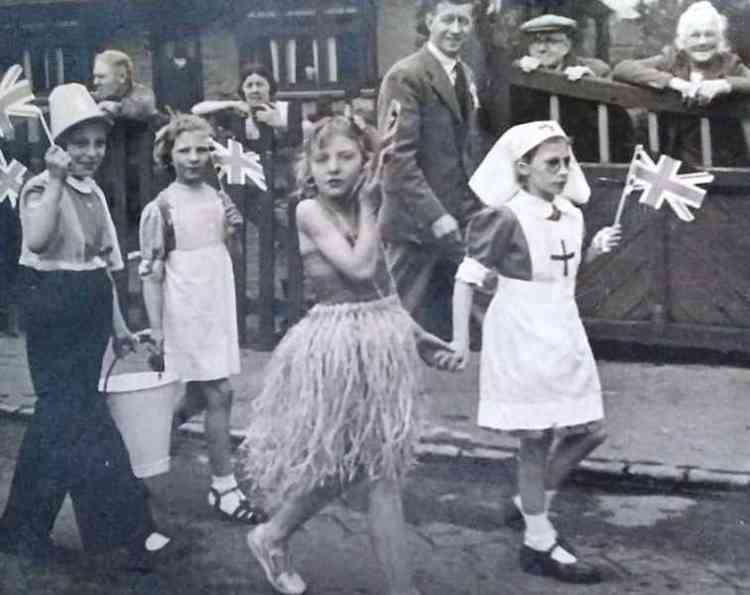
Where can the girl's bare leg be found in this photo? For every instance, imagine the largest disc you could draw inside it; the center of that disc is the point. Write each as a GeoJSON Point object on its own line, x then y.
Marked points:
{"type": "Point", "coordinates": [218, 394]}
{"type": "Point", "coordinates": [388, 535]}
{"type": "Point", "coordinates": [570, 451]}
{"type": "Point", "coordinates": [532, 468]}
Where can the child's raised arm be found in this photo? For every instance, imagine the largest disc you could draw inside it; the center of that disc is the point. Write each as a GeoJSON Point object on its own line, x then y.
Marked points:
{"type": "Point", "coordinates": [357, 261]}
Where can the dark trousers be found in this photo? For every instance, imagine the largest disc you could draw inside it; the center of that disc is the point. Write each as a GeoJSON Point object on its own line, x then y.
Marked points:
{"type": "Point", "coordinates": [71, 445]}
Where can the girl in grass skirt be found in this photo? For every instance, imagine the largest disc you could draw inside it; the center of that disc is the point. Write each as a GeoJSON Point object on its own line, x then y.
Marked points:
{"type": "Point", "coordinates": [340, 398]}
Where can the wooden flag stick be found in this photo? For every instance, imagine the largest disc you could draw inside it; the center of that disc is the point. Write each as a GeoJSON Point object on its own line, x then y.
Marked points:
{"type": "Point", "coordinates": [629, 185]}
{"type": "Point", "coordinates": [45, 126]}
{"type": "Point", "coordinates": [218, 175]}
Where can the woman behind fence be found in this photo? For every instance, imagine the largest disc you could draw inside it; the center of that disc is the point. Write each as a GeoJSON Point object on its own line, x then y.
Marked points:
{"type": "Point", "coordinates": [188, 289]}
{"type": "Point", "coordinates": [702, 69]}
{"type": "Point", "coordinates": [340, 397]}
{"type": "Point", "coordinates": [70, 311]}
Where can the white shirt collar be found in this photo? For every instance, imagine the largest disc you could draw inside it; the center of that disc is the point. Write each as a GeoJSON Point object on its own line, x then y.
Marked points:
{"type": "Point", "coordinates": [84, 186]}
{"type": "Point", "coordinates": [448, 63]}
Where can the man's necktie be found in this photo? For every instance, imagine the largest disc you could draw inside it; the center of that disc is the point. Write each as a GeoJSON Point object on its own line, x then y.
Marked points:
{"type": "Point", "coordinates": [462, 90]}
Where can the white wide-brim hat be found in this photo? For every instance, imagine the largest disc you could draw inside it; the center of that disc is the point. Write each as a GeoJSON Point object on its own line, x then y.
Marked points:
{"type": "Point", "coordinates": [71, 105]}
{"type": "Point", "coordinates": [495, 181]}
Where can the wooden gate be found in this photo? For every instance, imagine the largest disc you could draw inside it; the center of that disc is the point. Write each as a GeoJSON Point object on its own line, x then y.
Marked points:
{"type": "Point", "coordinates": [671, 282]}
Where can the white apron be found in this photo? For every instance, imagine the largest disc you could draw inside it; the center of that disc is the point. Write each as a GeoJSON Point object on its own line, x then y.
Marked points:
{"type": "Point", "coordinates": [200, 316]}
{"type": "Point", "coordinates": [537, 369]}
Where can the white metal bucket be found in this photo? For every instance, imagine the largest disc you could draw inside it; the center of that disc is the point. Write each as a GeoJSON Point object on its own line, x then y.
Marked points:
{"type": "Point", "coordinates": [142, 405]}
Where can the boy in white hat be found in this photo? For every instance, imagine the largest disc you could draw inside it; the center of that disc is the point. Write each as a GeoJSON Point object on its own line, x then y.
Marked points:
{"type": "Point", "coordinates": [538, 376]}
{"type": "Point", "coordinates": [70, 311]}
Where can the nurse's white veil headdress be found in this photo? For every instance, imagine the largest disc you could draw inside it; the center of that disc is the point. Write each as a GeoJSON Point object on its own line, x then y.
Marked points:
{"type": "Point", "coordinates": [495, 181]}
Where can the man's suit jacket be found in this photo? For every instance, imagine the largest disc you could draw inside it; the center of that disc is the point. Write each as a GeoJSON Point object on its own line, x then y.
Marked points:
{"type": "Point", "coordinates": [433, 153]}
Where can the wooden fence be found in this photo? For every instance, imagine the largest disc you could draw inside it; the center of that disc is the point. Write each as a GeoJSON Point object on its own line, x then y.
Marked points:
{"type": "Point", "coordinates": [671, 282]}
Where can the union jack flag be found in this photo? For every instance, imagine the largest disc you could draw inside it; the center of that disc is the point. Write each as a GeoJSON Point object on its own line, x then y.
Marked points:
{"type": "Point", "coordinates": [11, 179]}
{"type": "Point", "coordinates": [235, 164]}
{"type": "Point", "coordinates": [660, 182]}
{"type": "Point", "coordinates": [15, 96]}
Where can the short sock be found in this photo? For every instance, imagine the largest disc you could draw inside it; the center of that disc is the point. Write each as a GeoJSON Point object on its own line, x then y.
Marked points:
{"type": "Point", "coordinates": [231, 497]}
{"type": "Point", "coordinates": [539, 535]}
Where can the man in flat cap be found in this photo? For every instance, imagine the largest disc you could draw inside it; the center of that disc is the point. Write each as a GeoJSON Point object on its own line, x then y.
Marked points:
{"type": "Point", "coordinates": [551, 40]}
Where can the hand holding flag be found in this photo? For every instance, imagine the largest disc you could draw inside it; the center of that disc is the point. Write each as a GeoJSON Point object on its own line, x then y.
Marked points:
{"type": "Point", "coordinates": [11, 179]}
{"type": "Point", "coordinates": [235, 164]}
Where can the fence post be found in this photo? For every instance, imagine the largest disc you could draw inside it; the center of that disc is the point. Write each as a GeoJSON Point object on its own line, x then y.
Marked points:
{"type": "Point", "coordinates": [266, 260]}
{"type": "Point", "coordinates": [554, 108]}
{"type": "Point", "coordinates": [653, 133]}
{"type": "Point", "coordinates": [295, 298]}
{"type": "Point", "coordinates": [706, 148]}
{"type": "Point", "coordinates": [114, 176]}
{"type": "Point", "coordinates": [603, 113]}
{"type": "Point", "coordinates": [237, 195]}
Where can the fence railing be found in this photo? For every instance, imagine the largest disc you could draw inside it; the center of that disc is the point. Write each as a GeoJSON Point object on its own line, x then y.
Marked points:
{"type": "Point", "coordinates": [669, 283]}
{"type": "Point", "coordinates": [607, 93]}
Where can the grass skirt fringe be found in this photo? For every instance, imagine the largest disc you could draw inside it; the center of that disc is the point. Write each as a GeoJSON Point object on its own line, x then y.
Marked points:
{"type": "Point", "coordinates": [339, 398]}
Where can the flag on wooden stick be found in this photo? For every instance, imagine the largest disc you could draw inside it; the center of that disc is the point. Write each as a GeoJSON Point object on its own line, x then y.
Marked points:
{"type": "Point", "coordinates": [236, 165]}
{"type": "Point", "coordinates": [660, 182]}
{"type": "Point", "coordinates": [11, 179]}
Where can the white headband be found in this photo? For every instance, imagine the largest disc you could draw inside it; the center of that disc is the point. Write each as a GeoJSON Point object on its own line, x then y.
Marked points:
{"type": "Point", "coordinates": [495, 181]}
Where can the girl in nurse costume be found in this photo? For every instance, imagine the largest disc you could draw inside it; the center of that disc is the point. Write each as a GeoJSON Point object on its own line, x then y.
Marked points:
{"type": "Point", "coordinates": [538, 378]}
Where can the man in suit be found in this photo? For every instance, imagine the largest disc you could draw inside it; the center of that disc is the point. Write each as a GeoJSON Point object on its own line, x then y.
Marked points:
{"type": "Point", "coordinates": [426, 198]}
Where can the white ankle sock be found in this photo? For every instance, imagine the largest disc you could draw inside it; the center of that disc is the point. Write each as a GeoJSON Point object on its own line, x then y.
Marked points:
{"type": "Point", "coordinates": [229, 501]}
{"type": "Point", "coordinates": [155, 542]}
{"type": "Point", "coordinates": [539, 534]}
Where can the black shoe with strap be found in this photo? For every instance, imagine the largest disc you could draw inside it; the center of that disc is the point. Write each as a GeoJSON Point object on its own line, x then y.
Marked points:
{"type": "Point", "coordinates": [543, 564]}
{"type": "Point", "coordinates": [245, 512]}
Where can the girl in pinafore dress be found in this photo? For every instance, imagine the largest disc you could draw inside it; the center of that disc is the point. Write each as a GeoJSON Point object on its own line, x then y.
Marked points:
{"type": "Point", "coordinates": [188, 289]}
{"type": "Point", "coordinates": [340, 397]}
{"type": "Point", "coordinates": [538, 377]}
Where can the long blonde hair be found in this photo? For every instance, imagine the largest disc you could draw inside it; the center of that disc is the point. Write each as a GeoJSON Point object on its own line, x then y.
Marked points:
{"type": "Point", "coordinates": [354, 129]}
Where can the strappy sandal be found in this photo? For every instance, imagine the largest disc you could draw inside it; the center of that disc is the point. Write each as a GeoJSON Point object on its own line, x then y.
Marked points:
{"type": "Point", "coordinates": [276, 565]}
{"type": "Point", "coordinates": [245, 512]}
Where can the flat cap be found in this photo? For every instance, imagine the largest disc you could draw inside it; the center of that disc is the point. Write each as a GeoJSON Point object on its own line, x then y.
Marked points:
{"type": "Point", "coordinates": [549, 22]}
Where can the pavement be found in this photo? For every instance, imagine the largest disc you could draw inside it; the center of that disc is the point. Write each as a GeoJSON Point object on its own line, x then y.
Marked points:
{"type": "Point", "coordinates": [645, 542]}
{"type": "Point", "coordinates": [675, 423]}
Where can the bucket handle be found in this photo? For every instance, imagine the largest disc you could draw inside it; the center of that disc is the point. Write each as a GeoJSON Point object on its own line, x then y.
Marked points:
{"type": "Point", "coordinates": [109, 372]}
{"type": "Point", "coordinates": [143, 337]}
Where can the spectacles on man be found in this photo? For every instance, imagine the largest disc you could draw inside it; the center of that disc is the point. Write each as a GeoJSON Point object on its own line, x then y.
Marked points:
{"type": "Point", "coordinates": [549, 39]}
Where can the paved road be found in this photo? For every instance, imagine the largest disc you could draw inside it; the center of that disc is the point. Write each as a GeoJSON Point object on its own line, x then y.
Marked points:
{"type": "Point", "coordinates": [650, 544]}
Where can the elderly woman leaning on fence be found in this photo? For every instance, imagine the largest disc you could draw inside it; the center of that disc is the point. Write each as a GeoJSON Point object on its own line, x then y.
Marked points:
{"type": "Point", "coordinates": [702, 69]}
